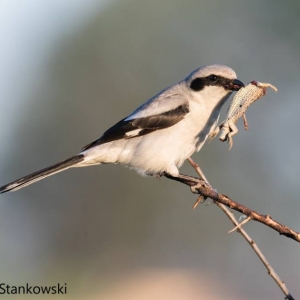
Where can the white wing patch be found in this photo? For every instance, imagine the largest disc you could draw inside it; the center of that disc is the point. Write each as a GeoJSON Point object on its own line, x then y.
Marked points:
{"type": "Point", "coordinates": [133, 133]}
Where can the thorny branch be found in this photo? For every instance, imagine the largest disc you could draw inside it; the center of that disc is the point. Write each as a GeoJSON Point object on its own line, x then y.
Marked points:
{"type": "Point", "coordinates": [203, 189]}
{"type": "Point", "coordinates": [238, 227]}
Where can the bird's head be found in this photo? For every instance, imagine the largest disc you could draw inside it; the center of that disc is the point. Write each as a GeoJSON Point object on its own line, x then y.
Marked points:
{"type": "Point", "coordinates": [214, 76]}
{"type": "Point", "coordinates": [213, 84]}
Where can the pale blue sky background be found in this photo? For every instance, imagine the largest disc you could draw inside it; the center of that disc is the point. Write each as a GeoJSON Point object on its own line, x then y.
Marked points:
{"type": "Point", "coordinates": [30, 31]}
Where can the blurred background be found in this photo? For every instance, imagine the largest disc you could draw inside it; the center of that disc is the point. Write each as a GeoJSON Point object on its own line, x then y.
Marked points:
{"type": "Point", "coordinates": [69, 70]}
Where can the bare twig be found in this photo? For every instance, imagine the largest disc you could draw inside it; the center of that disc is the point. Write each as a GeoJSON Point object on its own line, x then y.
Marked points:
{"type": "Point", "coordinates": [205, 191]}
{"type": "Point", "coordinates": [238, 227]}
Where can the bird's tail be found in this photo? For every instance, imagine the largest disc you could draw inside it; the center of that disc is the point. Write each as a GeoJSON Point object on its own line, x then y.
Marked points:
{"type": "Point", "coordinates": [36, 176]}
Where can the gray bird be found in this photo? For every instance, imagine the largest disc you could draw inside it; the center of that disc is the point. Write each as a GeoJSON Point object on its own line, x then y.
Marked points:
{"type": "Point", "coordinates": [160, 134]}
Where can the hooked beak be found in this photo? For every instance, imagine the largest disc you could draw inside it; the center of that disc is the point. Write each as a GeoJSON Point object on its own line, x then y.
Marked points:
{"type": "Point", "coordinates": [234, 85]}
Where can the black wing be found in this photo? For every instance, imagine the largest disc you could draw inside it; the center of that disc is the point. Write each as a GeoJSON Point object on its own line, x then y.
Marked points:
{"type": "Point", "coordinates": [141, 126]}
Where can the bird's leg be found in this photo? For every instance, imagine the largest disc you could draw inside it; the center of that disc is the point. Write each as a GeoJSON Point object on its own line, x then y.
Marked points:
{"type": "Point", "coordinates": [188, 180]}
{"type": "Point", "coordinates": [198, 170]}
{"type": "Point", "coordinates": [191, 181]}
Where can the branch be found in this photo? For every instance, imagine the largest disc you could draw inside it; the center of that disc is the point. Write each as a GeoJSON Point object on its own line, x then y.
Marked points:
{"type": "Point", "coordinates": [203, 189]}
{"type": "Point", "coordinates": [238, 227]}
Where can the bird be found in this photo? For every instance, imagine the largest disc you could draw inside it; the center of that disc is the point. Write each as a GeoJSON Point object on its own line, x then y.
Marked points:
{"type": "Point", "coordinates": [158, 136]}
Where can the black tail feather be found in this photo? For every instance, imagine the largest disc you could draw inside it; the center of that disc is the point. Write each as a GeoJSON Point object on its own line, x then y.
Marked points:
{"type": "Point", "coordinates": [31, 178]}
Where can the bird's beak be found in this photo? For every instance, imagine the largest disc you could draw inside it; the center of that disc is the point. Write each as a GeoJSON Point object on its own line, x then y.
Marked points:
{"type": "Point", "coordinates": [234, 85]}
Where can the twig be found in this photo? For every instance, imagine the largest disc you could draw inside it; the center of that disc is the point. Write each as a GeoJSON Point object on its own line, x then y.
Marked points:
{"type": "Point", "coordinates": [205, 191]}
{"type": "Point", "coordinates": [238, 227]}
{"type": "Point", "coordinates": [258, 252]}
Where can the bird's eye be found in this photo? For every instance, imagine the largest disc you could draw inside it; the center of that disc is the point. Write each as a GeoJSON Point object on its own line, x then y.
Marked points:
{"type": "Point", "coordinates": [213, 78]}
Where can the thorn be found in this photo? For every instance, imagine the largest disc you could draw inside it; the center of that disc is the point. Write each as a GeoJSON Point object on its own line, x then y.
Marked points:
{"type": "Point", "coordinates": [200, 199]}
{"type": "Point", "coordinates": [240, 225]}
